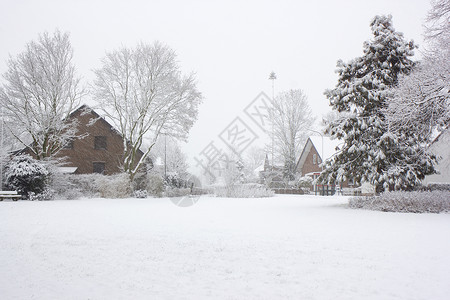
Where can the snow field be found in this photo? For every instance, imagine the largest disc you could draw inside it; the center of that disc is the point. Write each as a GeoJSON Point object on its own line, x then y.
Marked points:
{"type": "Point", "coordinates": [285, 247]}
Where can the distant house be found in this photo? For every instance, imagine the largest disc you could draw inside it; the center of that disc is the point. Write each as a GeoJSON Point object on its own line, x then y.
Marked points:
{"type": "Point", "coordinates": [100, 150]}
{"type": "Point", "coordinates": [441, 148]}
{"type": "Point", "coordinates": [270, 174]}
{"type": "Point", "coordinates": [316, 150]}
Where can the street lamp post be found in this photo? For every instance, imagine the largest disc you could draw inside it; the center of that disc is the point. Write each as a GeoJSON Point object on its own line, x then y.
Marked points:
{"type": "Point", "coordinates": [165, 156]}
{"type": "Point", "coordinates": [272, 77]}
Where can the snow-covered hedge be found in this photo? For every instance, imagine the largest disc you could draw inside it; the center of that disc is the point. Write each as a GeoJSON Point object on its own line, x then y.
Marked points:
{"type": "Point", "coordinates": [95, 185]}
{"type": "Point", "coordinates": [74, 186]}
{"type": "Point", "coordinates": [412, 202]}
{"type": "Point", "coordinates": [155, 185]}
{"type": "Point", "coordinates": [305, 183]}
{"type": "Point", "coordinates": [435, 187]}
{"type": "Point", "coordinates": [114, 186]}
{"type": "Point", "coordinates": [249, 190]}
{"type": "Point", "coordinates": [26, 175]}
{"type": "Point", "coordinates": [140, 194]}
{"type": "Point", "coordinates": [176, 192]}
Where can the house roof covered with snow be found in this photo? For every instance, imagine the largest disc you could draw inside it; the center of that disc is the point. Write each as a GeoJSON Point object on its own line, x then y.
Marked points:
{"type": "Point", "coordinates": [329, 146]}
{"type": "Point", "coordinates": [324, 146]}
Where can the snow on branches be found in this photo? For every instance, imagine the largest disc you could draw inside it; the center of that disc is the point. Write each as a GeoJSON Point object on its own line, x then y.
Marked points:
{"type": "Point", "coordinates": [142, 91]}
{"type": "Point", "coordinates": [41, 90]}
{"type": "Point", "coordinates": [421, 100]}
{"type": "Point", "coordinates": [370, 153]}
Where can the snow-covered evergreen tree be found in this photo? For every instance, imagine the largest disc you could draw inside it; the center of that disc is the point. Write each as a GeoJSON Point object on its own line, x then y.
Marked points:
{"type": "Point", "coordinates": [370, 151]}
{"type": "Point", "coordinates": [26, 175]}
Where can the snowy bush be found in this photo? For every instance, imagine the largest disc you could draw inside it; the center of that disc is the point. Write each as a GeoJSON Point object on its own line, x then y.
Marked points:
{"type": "Point", "coordinates": [81, 185]}
{"type": "Point", "coordinates": [435, 187]}
{"type": "Point", "coordinates": [277, 185]}
{"type": "Point", "coordinates": [139, 181]}
{"type": "Point", "coordinates": [177, 192]}
{"type": "Point", "coordinates": [249, 190]}
{"type": "Point", "coordinates": [140, 194]}
{"type": "Point", "coordinates": [45, 195]}
{"type": "Point", "coordinates": [59, 183]}
{"type": "Point", "coordinates": [413, 202]}
{"type": "Point", "coordinates": [25, 175]}
{"type": "Point", "coordinates": [114, 186]}
{"type": "Point", "coordinates": [97, 185]}
{"type": "Point", "coordinates": [155, 184]}
{"type": "Point", "coordinates": [305, 183]}
{"type": "Point", "coordinates": [173, 180]}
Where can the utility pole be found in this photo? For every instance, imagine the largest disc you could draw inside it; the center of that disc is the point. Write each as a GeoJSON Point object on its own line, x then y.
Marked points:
{"type": "Point", "coordinates": [272, 77]}
{"type": "Point", "coordinates": [165, 155]}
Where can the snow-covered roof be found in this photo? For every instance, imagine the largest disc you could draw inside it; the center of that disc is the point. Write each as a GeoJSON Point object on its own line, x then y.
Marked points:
{"type": "Point", "coordinates": [67, 170]}
{"type": "Point", "coordinates": [329, 146]}
{"type": "Point", "coordinates": [258, 169]}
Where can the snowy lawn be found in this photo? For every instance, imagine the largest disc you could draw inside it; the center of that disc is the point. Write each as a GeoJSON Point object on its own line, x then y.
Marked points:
{"type": "Point", "coordinates": [285, 247]}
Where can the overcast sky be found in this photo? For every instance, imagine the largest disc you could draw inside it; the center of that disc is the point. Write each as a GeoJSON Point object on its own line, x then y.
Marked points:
{"type": "Point", "coordinates": [232, 46]}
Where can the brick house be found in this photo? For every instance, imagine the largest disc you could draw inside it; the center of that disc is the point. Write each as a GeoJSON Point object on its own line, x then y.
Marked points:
{"type": "Point", "coordinates": [309, 163]}
{"type": "Point", "coordinates": [99, 151]}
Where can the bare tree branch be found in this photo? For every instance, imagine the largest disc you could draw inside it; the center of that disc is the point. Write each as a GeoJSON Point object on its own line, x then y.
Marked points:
{"type": "Point", "coordinates": [41, 89]}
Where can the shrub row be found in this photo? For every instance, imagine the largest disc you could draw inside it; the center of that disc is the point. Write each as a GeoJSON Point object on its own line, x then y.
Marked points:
{"type": "Point", "coordinates": [243, 191]}
{"type": "Point", "coordinates": [114, 186]}
{"type": "Point", "coordinates": [411, 202]}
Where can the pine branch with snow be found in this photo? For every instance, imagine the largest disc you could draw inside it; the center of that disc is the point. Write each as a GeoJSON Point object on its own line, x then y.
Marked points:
{"type": "Point", "coordinates": [370, 152]}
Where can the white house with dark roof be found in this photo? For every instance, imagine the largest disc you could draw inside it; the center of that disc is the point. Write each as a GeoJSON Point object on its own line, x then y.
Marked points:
{"type": "Point", "coordinates": [441, 148]}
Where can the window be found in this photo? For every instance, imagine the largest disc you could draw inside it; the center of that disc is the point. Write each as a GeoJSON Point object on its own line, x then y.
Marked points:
{"type": "Point", "coordinates": [314, 159]}
{"type": "Point", "coordinates": [99, 167]}
{"type": "Point", "coordinates": [100, 143]}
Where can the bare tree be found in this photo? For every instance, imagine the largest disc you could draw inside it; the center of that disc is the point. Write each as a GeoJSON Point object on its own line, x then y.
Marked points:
{"type": "Point", "coordinates": [143, 93]}
{"type": "Point", "coordinates": [421, 100]}
{"type": "Point", "coordinates": [291, 116]}
{"type": "Point", "coordinates": [169, 151]}
{"type": "Point", "coordinates": [438, 20]}
{"type": "Point", "coordinates": [41, 89]}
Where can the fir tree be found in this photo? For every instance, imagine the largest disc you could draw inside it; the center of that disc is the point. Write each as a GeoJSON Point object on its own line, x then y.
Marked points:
{"type": "Point", "coordinates": [370, 151]}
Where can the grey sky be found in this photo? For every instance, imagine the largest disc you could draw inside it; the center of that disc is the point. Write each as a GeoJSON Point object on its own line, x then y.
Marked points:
{"type": "Point", "coordinates": [231, 45]}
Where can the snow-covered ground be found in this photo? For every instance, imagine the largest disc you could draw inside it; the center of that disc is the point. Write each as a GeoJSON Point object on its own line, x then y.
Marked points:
{"type": "Point", "coordinates": [285, 247]}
